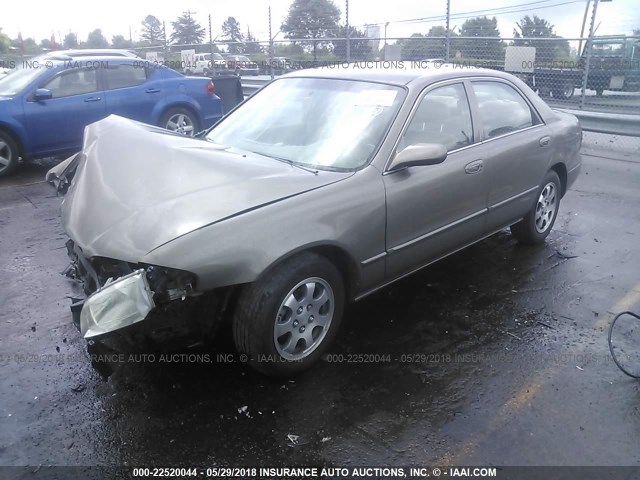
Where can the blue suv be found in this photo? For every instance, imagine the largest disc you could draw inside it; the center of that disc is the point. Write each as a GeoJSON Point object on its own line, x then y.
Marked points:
{"type": "Point", "coordinates": [45, 105]}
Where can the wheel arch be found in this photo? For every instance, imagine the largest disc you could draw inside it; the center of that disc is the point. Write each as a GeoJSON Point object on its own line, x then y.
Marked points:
{"type": "Point", "coordinates": [561, 169]}
{"type": "Point", "coordinates": [336, 254]}
{"type": "Point", "coordinates": [8, 130]}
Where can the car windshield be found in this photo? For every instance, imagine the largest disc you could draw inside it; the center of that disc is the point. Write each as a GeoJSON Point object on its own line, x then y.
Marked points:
{"type": "Point", "coordinates": [15, 81]}
{"type": "Point", "coordinates": [217, 56]}
{"type": "Point", "coordinates": [324, 123]}
{"type": "Point", "coordinates": [243, 59]}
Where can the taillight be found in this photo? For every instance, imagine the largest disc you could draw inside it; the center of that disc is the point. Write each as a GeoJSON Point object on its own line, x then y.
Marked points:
{"type": "Point", "coordinates": [211, 88]}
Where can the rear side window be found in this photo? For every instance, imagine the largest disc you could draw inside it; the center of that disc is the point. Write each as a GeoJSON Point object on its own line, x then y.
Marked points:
{"type": "Point", "coordinates": [502, 109]}
{"type": "Point", "coordinates": [73, 82]}
{"type": "Point", "coordinates": [122, 76]}
{"type": "Point", "coordinates": [443, 116]}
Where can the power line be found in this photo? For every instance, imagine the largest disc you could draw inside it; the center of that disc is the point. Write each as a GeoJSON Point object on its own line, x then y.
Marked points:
{"type": "Point", "coordinates": [470, 14]}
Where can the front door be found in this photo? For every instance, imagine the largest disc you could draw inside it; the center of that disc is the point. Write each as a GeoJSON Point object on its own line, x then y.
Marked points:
{"type": "Point", "coordinates": [434, 210]}
{"type": "Point", "coordinates": [57, 124]}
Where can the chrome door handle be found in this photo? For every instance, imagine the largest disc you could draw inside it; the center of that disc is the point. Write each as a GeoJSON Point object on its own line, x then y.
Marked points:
{"type": "Point", "coordinates": [92, 99]}
{"type": "Point", "coordinates": [152, 90]}
{"type": "Point", "coordinates": [474, 167]}
{"type": "Point", "coordinates": [544, 141]}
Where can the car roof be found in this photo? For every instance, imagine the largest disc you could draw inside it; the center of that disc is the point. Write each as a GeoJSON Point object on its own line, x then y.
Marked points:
{"type": "Point", "coordinates": [91, 52]}
{"type": "Point", "coordinates": [397, 72]}
{"type": "Point", "coordinates": [74, 62]}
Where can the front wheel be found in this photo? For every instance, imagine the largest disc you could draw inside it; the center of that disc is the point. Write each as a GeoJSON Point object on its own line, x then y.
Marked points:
{"type": "Point", "coordinates": [180, 120]}
{"type": "Point", "coordinates": [537, 224]}
{"type": "Point", "coordinates": [286, 320]}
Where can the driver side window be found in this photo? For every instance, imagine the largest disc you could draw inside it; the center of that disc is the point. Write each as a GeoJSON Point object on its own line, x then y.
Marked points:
{"type": "Point", "coordinates": [443, 116]}
{"type": "Point", "coordinates": [75, 81]}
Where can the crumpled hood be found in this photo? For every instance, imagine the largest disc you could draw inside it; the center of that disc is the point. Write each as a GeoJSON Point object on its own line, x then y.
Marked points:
{"type": "Point", "coordinates": [138, 187]}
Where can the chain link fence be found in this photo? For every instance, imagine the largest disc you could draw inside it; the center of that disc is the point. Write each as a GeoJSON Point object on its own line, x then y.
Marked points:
{"type": "Point", "coordinates": [556, 68]}
{"type": "Point", "coordinates": [601, 74]}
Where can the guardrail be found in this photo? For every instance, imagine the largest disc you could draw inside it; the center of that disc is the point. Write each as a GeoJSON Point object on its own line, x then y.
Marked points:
{"type": "Point", "coordinates": [611, 123]}
{"type": "Point", "coordinates": [252, 85]}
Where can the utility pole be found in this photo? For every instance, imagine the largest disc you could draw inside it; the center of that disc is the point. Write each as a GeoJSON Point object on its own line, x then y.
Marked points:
{"type": "Point", "coordinates": [348, 33]}
{"type": "Point", "coordinates": [270, 46]}
{"type": "Point", "coordinates": [210, 44]}
{"type": "Point", "coordinates": [588, 47]}
{"type": "Point", "coordinates": [448, 39]}
{"type": "Point", "coordinates": [166, 45]}
{"type": "Point", "coordinates": [584, 22]}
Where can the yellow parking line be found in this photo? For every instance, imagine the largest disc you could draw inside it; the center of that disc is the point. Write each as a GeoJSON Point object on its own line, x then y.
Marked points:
{"type": "Point", "coordinates": [526, 394]}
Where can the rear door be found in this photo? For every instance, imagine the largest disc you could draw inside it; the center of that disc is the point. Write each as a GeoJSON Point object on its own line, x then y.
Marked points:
{"type": "Point", "coordinates": [434, 210]}
{"type": "Point", "coordinates": [516, 149]}
{"type": "Point", "coordinates": [57, 124]}
{"type": "Point", "coordinates": [133, 90]}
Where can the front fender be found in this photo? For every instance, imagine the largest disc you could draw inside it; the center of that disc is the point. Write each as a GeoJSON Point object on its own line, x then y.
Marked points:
{"type": "Point", "coordinates": [348, 215]}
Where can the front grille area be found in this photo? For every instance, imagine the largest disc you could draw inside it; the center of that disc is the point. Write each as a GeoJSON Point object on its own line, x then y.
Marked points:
{"type": "Point", "coordinates": [95, 272]}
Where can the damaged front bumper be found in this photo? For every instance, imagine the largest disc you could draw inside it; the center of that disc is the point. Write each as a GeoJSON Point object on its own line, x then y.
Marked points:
{"type": "Point", "coordinates": [120, 294]}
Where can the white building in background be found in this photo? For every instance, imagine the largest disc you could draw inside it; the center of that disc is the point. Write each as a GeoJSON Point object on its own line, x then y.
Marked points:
{"type": "Point", "coordinates": [374, 32]}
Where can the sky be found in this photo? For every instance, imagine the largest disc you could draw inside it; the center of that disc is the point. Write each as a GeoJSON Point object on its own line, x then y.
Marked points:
{"type": "Point", "coordinates": [42, 18]}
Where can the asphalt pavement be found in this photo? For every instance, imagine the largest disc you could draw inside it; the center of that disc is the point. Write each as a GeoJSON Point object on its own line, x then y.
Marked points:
{"type": "Point", "coordinates": [496, 355]}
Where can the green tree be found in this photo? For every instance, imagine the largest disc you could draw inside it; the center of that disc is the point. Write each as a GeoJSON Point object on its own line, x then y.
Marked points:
{"type": "Point", "coordinates": [429, 46]}
{"type": "Point", "coordinates": [70, 41]}
{"type": "Point", "coordinates": [152, 30]}
{"type": "Point", "coordinates": [482, 48]}
{"type": "Point", "coordinates": [251, 45]}
{"type": "Point", "coordinates": [360, 44]}
{"type": "Point", "coordinates": [118, 41]}
{"type": "Point", "coordinates": [28, 46]}
{"type": "Point", "coordinates": [231, 31]}
{"type": "Point", "coordinates": [314, 20]}
{"type": "Point", "coordinates": [5, 42]}
{"type": "Point", "coordinates": [96, 39]}
{"type": "Point", "coordinates": [186, 31]}
{"type": "Point", "coordinates": [529, 29]}
{"type": "Point", "coordinates": [414, 47]}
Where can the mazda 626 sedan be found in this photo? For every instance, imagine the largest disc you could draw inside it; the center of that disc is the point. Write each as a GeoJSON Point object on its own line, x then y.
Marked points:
{"type": "Point", "coordinates": [323, 187]}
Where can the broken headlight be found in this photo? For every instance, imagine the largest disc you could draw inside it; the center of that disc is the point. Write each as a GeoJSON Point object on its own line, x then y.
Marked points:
{"type": "Point", "coordinates": [116, 305]}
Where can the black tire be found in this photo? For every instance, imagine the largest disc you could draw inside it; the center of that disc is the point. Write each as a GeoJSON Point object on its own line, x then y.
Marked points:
{"type": "Point", "coordinates": [172, 112]}
{"type": "Point", "coordinates": [565, 92]}
{"type": "Point", "coordinates": [259, 311]}
{"type": "Point", "coordinates": [528, 230]}
{"type": "Point", "coordinates": [9, 154]}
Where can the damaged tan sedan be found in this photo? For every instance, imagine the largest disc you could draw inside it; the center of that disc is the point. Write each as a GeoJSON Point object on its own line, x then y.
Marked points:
{"type": "Point", "coordinates": [322, 188]}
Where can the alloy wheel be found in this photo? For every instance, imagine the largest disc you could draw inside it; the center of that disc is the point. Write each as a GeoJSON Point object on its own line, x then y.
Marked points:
{"type": "Point", "coordinates": [304, 318]}
{"type": "Point", "coordinates": [546, 207]}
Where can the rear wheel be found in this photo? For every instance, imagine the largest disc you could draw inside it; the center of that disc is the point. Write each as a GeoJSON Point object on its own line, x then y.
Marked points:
{"type": "Point", "coordinates": [8, 154]}
{"type": "Point", "coordinates": [537, 224]}
{"type": "Point", "coordinates": [180, 120]}
{"type": "Point", "coordinates": [285, 321]}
